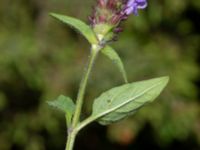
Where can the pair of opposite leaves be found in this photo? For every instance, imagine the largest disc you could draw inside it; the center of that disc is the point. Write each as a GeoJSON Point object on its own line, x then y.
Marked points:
{"type": "Point", "coordinates": [116, 103]}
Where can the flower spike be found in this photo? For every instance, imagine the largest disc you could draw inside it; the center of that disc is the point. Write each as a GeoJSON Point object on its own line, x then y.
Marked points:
{"type": "Point", "coordinates": [107, 16]}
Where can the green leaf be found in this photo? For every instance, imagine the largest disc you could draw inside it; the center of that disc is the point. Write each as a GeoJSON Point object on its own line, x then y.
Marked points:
{"type": "Point", "coordinates": [125, 100]}
{"type": "Point", "coordinates": [79, 25]}
{"type": "Point", "coordinates": [112, 54]}
{"type": "Point", "coordinates": [64, 104]}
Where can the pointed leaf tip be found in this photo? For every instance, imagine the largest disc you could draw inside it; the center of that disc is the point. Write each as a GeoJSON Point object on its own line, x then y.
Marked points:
{"type": "Point", "coordinates": [79, 25]}
{"type": "Point", "coordinates": [125, 100]}
{"type": "Point", "coordinates": [112, 55]}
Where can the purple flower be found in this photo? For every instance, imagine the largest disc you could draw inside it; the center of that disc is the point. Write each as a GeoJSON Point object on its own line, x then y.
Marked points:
{"type": "Point", "coordinates": [107, 16]}
{"type": "Point", "coordinates": [132, 6]}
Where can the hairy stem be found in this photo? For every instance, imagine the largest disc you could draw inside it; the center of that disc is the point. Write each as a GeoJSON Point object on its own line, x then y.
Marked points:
{"type": "Point", "coordinates": [79, 102]}
{"type": "Point", "coordinates": [81, 92]}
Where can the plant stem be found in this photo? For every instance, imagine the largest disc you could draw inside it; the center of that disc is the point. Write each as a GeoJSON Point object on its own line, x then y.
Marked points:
{"type": "Point", "coordinates": [81, 92]}
{"type": "Point", "coordinates": [79, 102]}
{"type": "Point", "coordinates": [70, 141]}
{"type": "Point", "coordinates": [85, 123]}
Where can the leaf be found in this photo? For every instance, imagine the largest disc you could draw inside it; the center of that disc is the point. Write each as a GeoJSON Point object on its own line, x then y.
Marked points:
{"type": "Point", "coordinates": [112, 54]}
{"type": "Point", "coordinates": [79, 25]}
{"type": "Point", "coordinates": [125, 100]}
{"type": "Point", "coordinates": [64, 104]}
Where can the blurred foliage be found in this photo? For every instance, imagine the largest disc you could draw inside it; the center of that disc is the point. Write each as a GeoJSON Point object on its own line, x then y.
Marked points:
{"type": "Point", "coordinates": [40, 59]}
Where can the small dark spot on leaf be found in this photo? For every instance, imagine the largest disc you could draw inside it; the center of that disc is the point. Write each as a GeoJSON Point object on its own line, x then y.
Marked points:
{"type": "Point", "coordinates": [108, 101]}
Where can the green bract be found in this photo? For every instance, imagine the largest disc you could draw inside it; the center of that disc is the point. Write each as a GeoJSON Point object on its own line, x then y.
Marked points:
{"type": "Point", "coordinates": [112, 54]}
{"type": "Point", "coordinates": [79, 25]}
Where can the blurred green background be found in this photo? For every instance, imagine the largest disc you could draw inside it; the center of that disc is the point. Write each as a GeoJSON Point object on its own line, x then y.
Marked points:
{"type": "Point", "coordinates": [41, 58]}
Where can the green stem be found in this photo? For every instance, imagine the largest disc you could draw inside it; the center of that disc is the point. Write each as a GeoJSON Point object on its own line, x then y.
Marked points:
{"type": "Point", "coordinates": [79, 102]}
{"type": "Point", "coordinates": [85, 123]}
{"type": "Point", "coordinates": [70, 141]}
{"type": "Point", "coordinates": [81, 92]}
